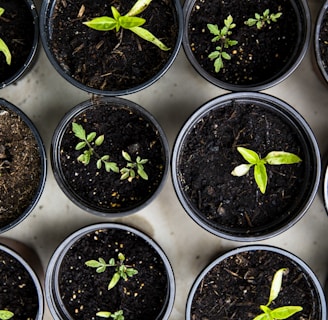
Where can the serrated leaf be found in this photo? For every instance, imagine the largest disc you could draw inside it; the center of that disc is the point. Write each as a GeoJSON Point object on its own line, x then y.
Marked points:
{"type": "Point", "coordinates": [261, 177]}
{"type": "Point", "coordinates": [78, 131]}
{"type": "Point", "coordinates": [91, 136]}
{"type": "Point", "coordinates": [214, 29]}
{"type": "Point", "coordinates": [111, 166]}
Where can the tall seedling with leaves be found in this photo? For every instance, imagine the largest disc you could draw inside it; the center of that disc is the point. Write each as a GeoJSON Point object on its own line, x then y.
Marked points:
{"type": "Point", "coordinates": [223, 37]}
{"type": "Point", "coordinates": [129, 21]}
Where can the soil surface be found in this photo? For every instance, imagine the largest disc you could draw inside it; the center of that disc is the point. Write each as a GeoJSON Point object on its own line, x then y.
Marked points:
{"type": "Point", "coordinates": [111, 60]}
{"type": "Point", "coordinates": [84, 291]}
{"type": "Point", "coordinates": [18, 293]}
{"type": "Point", "coordinates": [236, 287]}
{"type": "Point", "coordinates": [17, 31]}
{"type": "Point", "coordinates": [20, 166]}
{"type": "Point", "coordinates": [260, 53]}
{"type": "Point", "coordinates": [123, 130]}
{"type": "Point", "coordinates": [323, 42]}
{"type": "Point", "coordinates": [210, 154]}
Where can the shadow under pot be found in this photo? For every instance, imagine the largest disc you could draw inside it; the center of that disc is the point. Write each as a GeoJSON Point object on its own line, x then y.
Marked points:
{"type": "Point", "coordinates": [232, 166]}
{"type": "Point", "coordinates": [22, 166]}
{"type": "Point", "coordinates": [110, 156]}
{"type": "Point", "coordinates": [237, 285]}
{"type": "Point", "coordinates": [114, 56]}
{"type": "Point", "coordinates": [108, 269]}
{"type": "Point", "coordinates": [19, 30]}
{"type": "Point", "coordinates": [248, 46]}
{"type": "Point", "coordinates": [21, 295]}
{"type": "Point", "coordinates": [320, 41]}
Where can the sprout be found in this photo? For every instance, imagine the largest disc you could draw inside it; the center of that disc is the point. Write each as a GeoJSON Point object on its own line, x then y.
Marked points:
{"type": "Point", "coordinates": [261, 20]}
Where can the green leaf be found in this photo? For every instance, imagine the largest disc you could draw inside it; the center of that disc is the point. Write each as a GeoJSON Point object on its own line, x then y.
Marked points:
{"type": "Point", "coordinates": [115, 13]}
{"type": "Point", "coordinates": [138, 7]}
{"type": "Point", "coordinates": [131, 22]}
{"type": "Point", "coordinates": [228, 21]}
{"type": "Point", "coordinates": [126, 156]}
{"type": "Point", "coordinates": [251, 22]}
{"type": "Point", "coordinates": [241, 170]}
{"type": "Point", "coordinates": [78, 131]}
{"type": "Point", "coordinates": [2, 11]}
{"type": "Point", "coordinates": [225, 56]}
{"type": "Point", "coordinates": [261, 176]}
{"type": "Point", "coordinates": [5, 50]}
{"type": "Point", "coordinates": [99, 141]}
{"type": "Point", "coordinates": [262, 316]}
{"type": "Point", "coordinates": [121, 257]}
{"type": "Point", "coordinates": [6, 315]}
{"type": "Point", "coordinates": [111, 166]}
{"type": "Point", "coordinates": [266, 13]}
{"type": "Point", "coordinates": [285, 312]}
{"type": "Point", "coordinates": [214, 29]}
{"type": "Point", "coordinates": [218, 64]}
{"type": "Point", "coordinates": [213, 55]}
{"type": "Point", "coordinates": [142, 174]}
{"type": "Point", "coordinates": [91, 136]}
{"type": "Point", "coordinates": [276, 285]}
{"type": "Point", "coordinates": [249, 155]}
{"type": "Point", "coordinates": [103, 314]}
{"type": "Point", "coordinates": [131, 272]}
{"type": "Point", "coordinates": [80, 145]}
{"type": "Point", "coordinates": [116, 277]}
{"type": "Point", "coordinates": [93, 264]}
{"type": "Point", "coordinates": [99, 163]}
{"type": "Point", "coordinates": [102, 23]}
{"type": "Point", "coordinates": [281, 157]}
{"type": "Point", "coordinates": [148, 36]}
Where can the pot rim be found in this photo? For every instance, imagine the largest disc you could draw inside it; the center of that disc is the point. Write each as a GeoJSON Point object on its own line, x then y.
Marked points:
{"type": "Point", "coordinates": [32, 55]}
{"type": "Point", "coordinates": [299, 52]}
{"type": "Point", "coordinates": [322, 12]}
{"type": "Point", "coordinates": [293, 117]}
{"type": "Point", "coordinates": [32, 274]}
{"type": "Point", "coordinates": [45, 14]}
{"type": "Point", "coordinates": [55, 154]}
{"type": "Point", "coordinates": [301, 264]}
{"type": "Point", "coordinates": [51, 289]}
{"type": "Point", "coordinates": [43, 163]}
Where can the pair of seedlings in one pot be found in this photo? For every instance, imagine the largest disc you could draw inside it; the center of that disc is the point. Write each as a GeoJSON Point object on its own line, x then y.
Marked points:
{"type": "Point", "coordinates": [90, 141]}
{"type": "Point", "coordinates": [122, 271]}
{"type": "Point", "coordinates": [223, 35]}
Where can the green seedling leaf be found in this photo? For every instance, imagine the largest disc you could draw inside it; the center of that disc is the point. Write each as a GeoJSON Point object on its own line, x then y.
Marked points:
{"type": "Point", "coordinates": [249, 155]}
{"type": "Point", "coordinates": [142, 173]}
{"type": "Point", "coordinates": [102, 23]}
{"type": "Point", "coordinates": [2, 11]}
{"type": "Point", "coordinates": [138, 7]}
{"type": "Point", "coordinates": [103, 314]}
{"type": "Point", "coordinates": [131, 22]}
{"type": "Point", "coordinates": [285, 312]}
{"type": "Point", "coordinates": [260, 175]}
{"type": "Point", "coordinates": [281, 157]}
{"type": "Point", "coordinates": [5, 50]}
{"type": "Point", "coordinates": [276, 285]}
{"type": "Point", "coordinates": [111, 166]}
{"type": "Point", "coordinates": [261, 20]}
{"type": "Point", "coordinates": [99, 141]}
{"type": "Point", "coordinates": [78, 131]}
{"type": "Point", "coordinates": [80, 145]}
{"type": "Point", "coordinates": [113, 282]}
{"type": "Point", "coordinates": [126, 156]}
{"type": "Point", "coordinates": [91, 136]}
{"type": "Point", "coordinates": [6, 315]}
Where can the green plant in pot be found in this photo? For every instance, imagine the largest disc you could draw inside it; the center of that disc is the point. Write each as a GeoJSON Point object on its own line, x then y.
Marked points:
{"type": "Point", "coordinates": [130, 44]}
{"type": "Point", "coordinates": [257, 199]}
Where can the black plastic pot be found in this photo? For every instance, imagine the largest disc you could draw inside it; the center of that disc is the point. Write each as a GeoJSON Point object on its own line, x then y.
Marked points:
{"type": "Point", "coordinates": [43, 165]}
{"type": "Point", "coordinates": [22, 292]}
{"type": "Point", "coordinates": [125, 137]}
{"type": "Point", "coordinates": [47, 31]}
{"type": "Point", "coordinates": [16, 71]}
{"type": "Point", "coordinates": [320, 36]}
{"type": "Point", "coordinates": [54, 273]}
{"type": "Point", "coordinates": [239, 262]}
{"type": "Point", "coordinates": [186, 187]}
{"type": "Point", "coordinates": [293, 59]}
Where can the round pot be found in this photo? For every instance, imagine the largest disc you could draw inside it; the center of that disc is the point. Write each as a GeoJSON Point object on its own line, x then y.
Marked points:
{"type": "Point", "coordinates": [240, 282]}
{"type": "Point", "coordinates": [23, 165]}
{"type": "Point", "coordinates": [154, 283]}
{"type": "Point", "coordinates": [20, 289]}
{"type": "Point", "coordinates": [126, 126]}
{"type": "Point", "coordinates": [261, 58]}
{"type": "Point", "coordinates": [99, 75]}
{"type": "Point", "coordinates": [320, 40]}
{"type": "Point", "coordinates": [205, 154]}
{"type": "Point", "coordinates": [21, 19]}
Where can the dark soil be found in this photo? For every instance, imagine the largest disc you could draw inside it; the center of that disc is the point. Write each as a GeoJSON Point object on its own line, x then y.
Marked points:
{"type": "Point", "coordinates": [236, 287]}
{"type": "Point", "coordinates": [18, 293]}
{"type": "Point", "coordinates": [323, 41]}
{"type": "Point", "coordinates": [111, 60]}
{"type": "Point", "coordinates": [20, 166]}
{"type": "Point", "coordinates": [123, 130]}
{"type": "Point", "coordinates": [210, 154]}
{"type": "Point", "coordinates": [84, 292]}
{"type": "Point", "coordinates": [17, 31]}
{"type": "Point", "coordinates": [260, 54]}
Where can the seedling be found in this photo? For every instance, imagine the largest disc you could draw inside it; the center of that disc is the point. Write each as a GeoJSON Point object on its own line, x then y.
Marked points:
{"type": "Point", "coordinates": [118, 315]}
{"type": "Point", "coordinates": [281, 312]}
{"type": "Point", "coordinates": [261, 20]}
{"type": "Point", "coordinates": [130, 21]}
{"type": "Point", "coordinates": [121, 270]}
{"type": "Point", "coordinates": [6, 315]}
{"type": "Point", "coordinates": [128, 172]}
{"type": "Point", "coordinates": [260, 173]}
{"type": "Point", "coordinates": [3, 46]}
{"type": "Point", "coordinates": [90, 141]}
{"type": "Point", "coordinates": [221, 36]}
